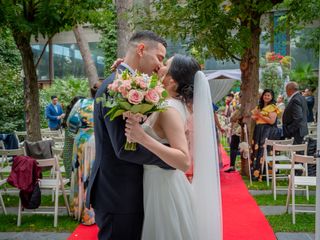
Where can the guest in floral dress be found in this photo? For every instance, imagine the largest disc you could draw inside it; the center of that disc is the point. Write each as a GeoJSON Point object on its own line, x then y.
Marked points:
{"type": "Point", "coordinates": [265, 115]}
{"type": "Point", "coordinates": [83, 158]}
{"type": "Point", "coordinates": [68, 139]}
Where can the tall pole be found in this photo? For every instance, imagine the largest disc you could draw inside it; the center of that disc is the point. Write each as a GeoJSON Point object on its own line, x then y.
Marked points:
{"type": "Point", "coordinates": [318, 161]}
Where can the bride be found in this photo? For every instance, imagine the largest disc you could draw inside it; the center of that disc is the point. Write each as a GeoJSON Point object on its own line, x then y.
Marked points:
{"type": "Point", "coordinates": [174, 208]}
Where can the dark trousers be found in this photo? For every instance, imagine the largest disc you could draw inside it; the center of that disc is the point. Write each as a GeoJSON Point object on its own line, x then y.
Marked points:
{"type": "Point", "coordinates": [234, 145]}
{"type": "Point", "coordinates": [119, 226]}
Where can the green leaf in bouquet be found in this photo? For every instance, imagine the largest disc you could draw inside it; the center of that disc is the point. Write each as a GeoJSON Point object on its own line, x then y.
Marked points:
{"type": "Point", "coordinates": [125, 74]}
{"type": "Point", "coordinates": [112, 111]}
{"type": "Point", "coordinates": [141, 108]}
{"type": "Point", "coordinates": [165, 94]}
{"type": "Point", "coordinates": [117, 113]}
{"type": "Point", "coordinates": [125, 105]}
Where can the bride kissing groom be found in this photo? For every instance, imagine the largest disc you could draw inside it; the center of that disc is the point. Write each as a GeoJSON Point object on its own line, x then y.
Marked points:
{"type": "Point", "coordinates": [144, 194]}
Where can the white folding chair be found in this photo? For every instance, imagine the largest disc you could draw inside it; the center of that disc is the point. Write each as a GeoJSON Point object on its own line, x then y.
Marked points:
{"type": "Point", "coordinates": [267, 159]}
{"type": "Point", "coordinates": [295, 181]}
{"type": "Point", "coordinates": [21, 135]}
{"type": "Point", "coordinates": [289, 148]}
{"type": "Point", "coordinates": [57, 183]}
{"type": "Point", "coordinates": [6, 155]}
{"type": "Point", "coordinates": [2, 182]}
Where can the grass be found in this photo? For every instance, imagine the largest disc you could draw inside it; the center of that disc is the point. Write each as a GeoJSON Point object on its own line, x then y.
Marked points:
{"type": "Point", "coordinates": [36, 223]}
{"type": "Point", "coordinates": [13, 201]}
{"type": "Point", "coordinates": [267, 200]}
{"type": "Point", "coordinates": [283, 223]}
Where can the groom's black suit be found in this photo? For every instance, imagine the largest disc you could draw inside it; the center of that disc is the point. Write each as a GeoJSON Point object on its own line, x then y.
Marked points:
{"type": "Point", "coordinates": [116, 185]}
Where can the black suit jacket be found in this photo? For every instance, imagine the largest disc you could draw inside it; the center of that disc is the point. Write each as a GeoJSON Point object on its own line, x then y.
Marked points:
{"type": "Point", "coordinates": [116, 182]}
{"type": "Point", "coordinates": [294, 117]}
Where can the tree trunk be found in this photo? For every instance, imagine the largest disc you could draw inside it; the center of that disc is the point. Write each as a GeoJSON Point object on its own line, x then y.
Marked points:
{"type": "Point", "coordinates": [123, 28]}
{"type": "Point", "coordinates": [249, 66]}
{"type": "Point", "coordinates": [90, 67]}
{"type": "Point", "coordinates": [31, 90]}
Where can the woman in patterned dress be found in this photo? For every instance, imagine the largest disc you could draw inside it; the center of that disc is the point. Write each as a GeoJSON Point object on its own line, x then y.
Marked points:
{"type": "Point", "coordinates": [82, 159]}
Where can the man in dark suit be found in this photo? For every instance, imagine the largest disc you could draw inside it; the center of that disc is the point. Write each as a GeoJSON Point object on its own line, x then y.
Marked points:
{"type": "Point", "coordinates": [294, 117]}
{"type": "Point", "coordinates": [115, 188]}
{"type": "Point", "coordinates": [54, 114]}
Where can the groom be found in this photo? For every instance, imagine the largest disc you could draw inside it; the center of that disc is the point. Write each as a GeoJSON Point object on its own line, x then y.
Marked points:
{"type": "Point", "coordinates": [116, 186]}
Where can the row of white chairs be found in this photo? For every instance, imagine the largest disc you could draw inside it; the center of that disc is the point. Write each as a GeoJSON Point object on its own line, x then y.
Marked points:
{"type": "Point", "coordinates": [55, 182]}
{"type": "Point", "coordinates": [284, 163]}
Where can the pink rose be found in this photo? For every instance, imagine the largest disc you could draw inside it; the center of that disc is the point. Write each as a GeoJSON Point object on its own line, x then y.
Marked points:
{"type": "Point", "coordinates": [152, 96]}
{"type": "Point", "coordinates": [159, 90]}
{"type": "Point", "coordinates": [143, 85]}
{"type": "Point", "coordinates": [135, 97]}
{"type": "Point", "coordinates": [124, 88]}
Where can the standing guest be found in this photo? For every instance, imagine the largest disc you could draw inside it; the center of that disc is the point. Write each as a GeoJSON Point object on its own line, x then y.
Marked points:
{"type": "Point", "coordinates": [310, 103]}
{"type": "Point", "coordinates": [281, 105]}
{"type": "Point", "coordinates": [294, 118]}
{"type": "Point", "coordinates": [227, 114]}
{"type": "Point", "coordinates": [265, 116]}
{"type": "Point", "coordinates": [83, 156]}
{"type": "Point", "coordinates": [68, 139]}
{"type": "Point", "coordinates": [235, 136]}
{"type": "Point", "coordinates": [54, 114]}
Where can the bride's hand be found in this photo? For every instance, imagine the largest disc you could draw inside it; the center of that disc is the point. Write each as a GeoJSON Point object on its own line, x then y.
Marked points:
{"type": "Point", "coordinates": [134, 132]}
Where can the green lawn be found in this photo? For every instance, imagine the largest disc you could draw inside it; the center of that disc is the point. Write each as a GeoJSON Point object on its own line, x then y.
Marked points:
{"type": "Point", "coordinates": [283, 223]}
{"type": "Point", "coordinates": [13, 201]}
{"type": "Point", "coordinates": [267, 200]}
{"type": "Point", "coordinates": [36, 223]}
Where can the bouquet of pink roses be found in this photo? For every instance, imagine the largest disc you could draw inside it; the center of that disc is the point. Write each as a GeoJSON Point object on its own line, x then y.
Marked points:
{"type": "Point", "coordinates": [139, 94]}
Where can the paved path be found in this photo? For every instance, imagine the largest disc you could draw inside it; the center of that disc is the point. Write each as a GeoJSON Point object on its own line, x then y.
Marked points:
{"type": "Point", "coordinates": [34, 236]}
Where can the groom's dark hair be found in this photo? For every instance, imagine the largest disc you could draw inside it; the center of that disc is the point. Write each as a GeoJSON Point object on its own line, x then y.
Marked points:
{"type": "Point", "coordinates": [147, 36]}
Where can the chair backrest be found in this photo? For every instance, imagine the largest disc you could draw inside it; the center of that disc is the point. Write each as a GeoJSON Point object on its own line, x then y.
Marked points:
{"type": "Point", "coordinates": [49, 162]}
{"type": "Point", "coordinates": [5, 153]}
{"type": "Point", "coordinates": [290, 147]}
{"type": "Point", "coordinates": [270, 142]}
{"type": "Point", "coordinates": [12, 152]}
{"type": "Point", "coordinates": [302, 159]}
{"type": "Point", "coordinates": [296, 158]}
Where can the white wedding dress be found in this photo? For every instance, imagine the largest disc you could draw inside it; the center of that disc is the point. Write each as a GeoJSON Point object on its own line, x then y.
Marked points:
{"type": "Point", "coordinates": [168, 205]}
{"type": "Point", "coordinates": [174, 208]}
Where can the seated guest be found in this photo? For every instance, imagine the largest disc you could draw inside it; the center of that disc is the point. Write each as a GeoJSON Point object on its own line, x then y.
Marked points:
{"type": "Point", "coordinates": [265, 116]}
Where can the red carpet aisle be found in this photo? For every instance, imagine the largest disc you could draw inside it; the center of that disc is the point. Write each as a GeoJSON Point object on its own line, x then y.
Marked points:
{"type": "Point", "coordinates": [85, 233]}
{"type": "Point", "coordinates": [242, 218]}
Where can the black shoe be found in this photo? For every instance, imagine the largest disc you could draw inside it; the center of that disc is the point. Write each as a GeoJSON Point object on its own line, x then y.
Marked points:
{"type": "Point", "coordinates": [231, 169]}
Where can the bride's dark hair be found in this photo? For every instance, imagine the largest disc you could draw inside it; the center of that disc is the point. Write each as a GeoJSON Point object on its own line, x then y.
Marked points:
{"type": "Point", "coordinates": [183, 70]}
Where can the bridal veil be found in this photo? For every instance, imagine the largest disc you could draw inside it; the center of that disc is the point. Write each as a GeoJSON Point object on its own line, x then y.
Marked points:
{"type": "Point", "coordinates": [206, 179]}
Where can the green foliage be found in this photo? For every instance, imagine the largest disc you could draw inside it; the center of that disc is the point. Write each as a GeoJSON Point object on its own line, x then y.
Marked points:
{"type": "Point", "coordinates": [304, 76]}
{"type": "Point", "coordinates": [11, 98]}
{"type": "Point", "coordinates": [8, 50]}
{"type": "Point", "coordinates": [216, 28]}
{"type": "Point", "coordinates": [271, 78]}
{"type": "Point", "coordinates": [65, 89]}
{"type": "Point", "coordinates": [298, 15]}
{"type": "Point", "coordinates": [105, 22]}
